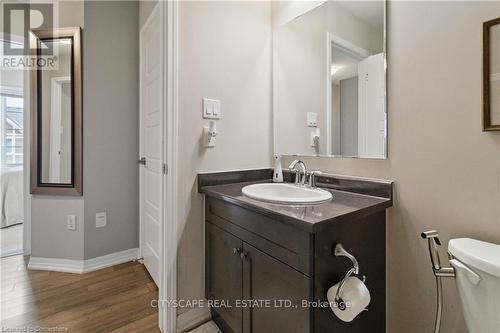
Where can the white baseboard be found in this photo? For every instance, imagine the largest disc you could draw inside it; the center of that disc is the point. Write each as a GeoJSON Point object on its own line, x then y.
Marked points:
{"type": "Point", "coordinates": [110, 260]}
{"type": "Point", "coordinates": [10, 253]}
{"type": "Point", "coordinates": [193, 318]}
{"type": "Point", "coordinates": [82, 266]}
{"type": "Point", "coordinates": [56, 265]}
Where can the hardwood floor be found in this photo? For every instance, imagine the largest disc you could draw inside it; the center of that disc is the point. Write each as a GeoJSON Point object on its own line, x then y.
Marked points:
{"type": "Point", "coordinates": [115, 299]}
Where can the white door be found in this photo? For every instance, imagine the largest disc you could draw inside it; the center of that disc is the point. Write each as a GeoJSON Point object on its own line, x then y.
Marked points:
{"type": "Point", "coordinates": [151, 138]}
{"type": "Point", "coordinates": [371, 107]}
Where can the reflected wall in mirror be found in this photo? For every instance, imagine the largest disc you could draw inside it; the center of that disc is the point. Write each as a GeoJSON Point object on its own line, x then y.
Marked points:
{"type": "Point", "coordinates": [56, 112]}
{"type": "Point", "coordinates": [329, 80]}
{"type": "Point", "coordinates": [491, 75]}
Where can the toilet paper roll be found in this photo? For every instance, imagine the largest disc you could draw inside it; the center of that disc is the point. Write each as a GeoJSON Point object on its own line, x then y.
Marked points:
{"type": "Point", "coordinates": [354, 296]}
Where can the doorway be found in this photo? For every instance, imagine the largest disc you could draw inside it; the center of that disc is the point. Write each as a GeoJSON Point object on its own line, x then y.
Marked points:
{"type": "Point", "coordinates": [355, 100]}
{"type": "Point", "coordinates": [12, 160]}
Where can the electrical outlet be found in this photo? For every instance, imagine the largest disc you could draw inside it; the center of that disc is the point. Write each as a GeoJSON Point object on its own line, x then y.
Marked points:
{"type": "Point", "coordinates": [100, 220]}
{"type": "Point", "coordinates": [71, 222]}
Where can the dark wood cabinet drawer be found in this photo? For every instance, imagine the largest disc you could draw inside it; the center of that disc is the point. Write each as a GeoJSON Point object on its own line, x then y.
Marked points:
{"type": "Point", "coordinates": [290, 245]}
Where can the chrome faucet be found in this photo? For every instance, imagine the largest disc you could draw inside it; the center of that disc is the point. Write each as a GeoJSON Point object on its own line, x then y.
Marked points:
{"type": "Point", "coordinates": [300, 175]}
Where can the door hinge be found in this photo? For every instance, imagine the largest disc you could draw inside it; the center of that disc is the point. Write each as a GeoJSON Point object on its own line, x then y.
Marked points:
{"type": "Point", "coordinates": [165, 168]}
{"type": "Point", "coordinates": [142, 161]}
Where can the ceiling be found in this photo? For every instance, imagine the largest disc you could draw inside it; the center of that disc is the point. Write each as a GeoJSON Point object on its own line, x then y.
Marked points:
{"type": "Point", "coordinates": [371, 12]}
{"type": "Point", "coordinates": [345, 66]}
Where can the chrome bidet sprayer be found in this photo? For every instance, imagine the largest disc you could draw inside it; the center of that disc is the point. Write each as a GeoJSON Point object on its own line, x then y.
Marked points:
{"type": "Point", "coordinates": [439, 271]}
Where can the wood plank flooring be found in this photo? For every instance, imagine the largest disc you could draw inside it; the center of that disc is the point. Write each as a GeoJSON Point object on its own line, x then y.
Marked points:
{"type": "Point", "coordinates": [115, 299]}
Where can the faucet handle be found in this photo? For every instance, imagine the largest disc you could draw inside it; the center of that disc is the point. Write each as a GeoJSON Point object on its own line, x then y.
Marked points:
{"type": "Point", "coordinates": [312, 178]}
{"type": "Point", "coordinates": [297, 175]}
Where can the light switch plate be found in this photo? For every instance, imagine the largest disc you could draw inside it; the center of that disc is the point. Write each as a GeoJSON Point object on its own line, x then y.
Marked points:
{"type": "Point", "coordinates": [211, 108]}
{"type": "Point", "coordinates": [312, 119]}
{"type": "Point", "coordinates": [71, 222]}
{"type": "Point", "coordinates": [100, 220]}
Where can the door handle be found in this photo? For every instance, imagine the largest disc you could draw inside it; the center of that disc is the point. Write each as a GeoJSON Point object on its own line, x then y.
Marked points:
{"type": "Point", "coordinates": [142, 161]}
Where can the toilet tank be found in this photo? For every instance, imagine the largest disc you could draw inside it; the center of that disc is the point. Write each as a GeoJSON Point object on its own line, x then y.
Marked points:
{"type": "Point", "coordinates": [477, 269]}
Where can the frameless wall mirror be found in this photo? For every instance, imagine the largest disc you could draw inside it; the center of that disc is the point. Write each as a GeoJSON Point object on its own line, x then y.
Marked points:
{"type": "Point", "coordinates": [56, 112]}
{"type": "Point", "coordinates": [329, 79]}
{"type": "Point", "coordinates": [491, 75]}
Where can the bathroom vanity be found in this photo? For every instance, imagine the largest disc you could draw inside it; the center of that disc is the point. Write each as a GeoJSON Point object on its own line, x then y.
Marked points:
{"type": "Point", "coordinates": [268, 266]}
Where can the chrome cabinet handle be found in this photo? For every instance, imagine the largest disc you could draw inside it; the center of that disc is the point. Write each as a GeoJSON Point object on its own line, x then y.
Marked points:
{"type": "Point", "coordinates": [236, 251]}
{"type": "Point", "coordinates": [243, 255]}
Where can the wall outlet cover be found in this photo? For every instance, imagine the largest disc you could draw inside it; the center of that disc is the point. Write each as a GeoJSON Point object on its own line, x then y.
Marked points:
{"type": "Point", "coordinates": [71, 222]}
{"type": "Point", "coordinates": [100, 220]}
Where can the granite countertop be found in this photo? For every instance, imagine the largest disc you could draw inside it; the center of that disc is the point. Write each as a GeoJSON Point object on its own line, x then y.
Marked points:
{"type": "Point", "coordinates": [311, 218]}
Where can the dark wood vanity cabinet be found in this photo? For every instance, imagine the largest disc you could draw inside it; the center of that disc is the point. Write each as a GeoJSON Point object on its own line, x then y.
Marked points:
{"type": "Point", "coordinates": [252, 258]}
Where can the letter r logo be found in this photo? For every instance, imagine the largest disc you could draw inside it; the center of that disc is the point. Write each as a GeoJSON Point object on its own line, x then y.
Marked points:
{"type": "Point", "coordinates": [19, 19]}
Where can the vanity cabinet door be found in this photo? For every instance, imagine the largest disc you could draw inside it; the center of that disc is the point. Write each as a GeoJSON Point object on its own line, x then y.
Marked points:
{"type": "Point", "coordinates": [266, 278]}
{"type": "Point", "coordinates": [224, 278]}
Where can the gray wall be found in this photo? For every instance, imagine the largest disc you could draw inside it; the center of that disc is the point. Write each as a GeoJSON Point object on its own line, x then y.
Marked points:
{"type": "Point", "coordinates": [349, 116]}
{"type": "Point", "coordinates": [111, 139]}
{"type": "Point", "coordinates": [447, 171]}
{"type": "Point", "coordinates": [49, 236]}
{"type": "Point", "coordinates": [111, 125]}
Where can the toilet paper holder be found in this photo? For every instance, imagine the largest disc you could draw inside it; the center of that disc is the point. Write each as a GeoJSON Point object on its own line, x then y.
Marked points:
{"type": "Point", "coordinates": [339, 251]}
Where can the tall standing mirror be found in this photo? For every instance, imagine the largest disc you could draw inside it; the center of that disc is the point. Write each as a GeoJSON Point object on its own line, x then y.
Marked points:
{"type": "Point", "coordinates": [329, 79]}
{"type": "Point", "coordinates": [56, 120]}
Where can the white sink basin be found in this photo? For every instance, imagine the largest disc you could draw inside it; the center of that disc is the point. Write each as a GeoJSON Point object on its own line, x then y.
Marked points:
{"type": "Point", "coordinates": [285, 193]}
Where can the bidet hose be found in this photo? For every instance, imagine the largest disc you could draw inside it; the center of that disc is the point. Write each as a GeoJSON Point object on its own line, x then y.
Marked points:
{"type": "Point", "coordinates": [439, 308]}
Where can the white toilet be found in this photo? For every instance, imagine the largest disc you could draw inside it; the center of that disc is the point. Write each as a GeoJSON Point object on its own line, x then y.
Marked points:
{"type": "Point", "coordinates": [477, 269]}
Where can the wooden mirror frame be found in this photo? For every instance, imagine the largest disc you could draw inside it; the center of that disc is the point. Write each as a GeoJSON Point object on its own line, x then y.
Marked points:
{"type": "Point", "coordinates": [75, 187]}
{"type": "Point", "coordinates": [487, 125]}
